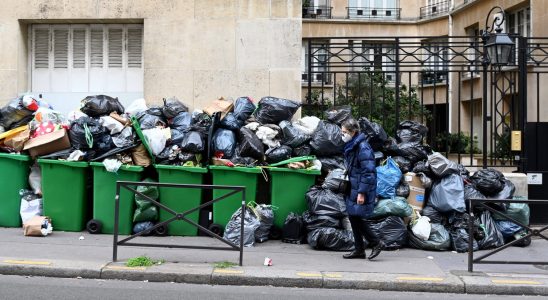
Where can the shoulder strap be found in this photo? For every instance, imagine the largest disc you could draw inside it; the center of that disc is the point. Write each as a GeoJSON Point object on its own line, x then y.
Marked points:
{"type": "Point", "coordinates": [351, 163]}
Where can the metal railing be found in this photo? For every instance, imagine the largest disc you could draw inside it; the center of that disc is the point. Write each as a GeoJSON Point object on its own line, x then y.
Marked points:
{"type": "Point", "coordinates": [177, 216]}
{"type": "Point", "coordinates": [373, 13]}
{"type": "Point", "coordinates": [531, 232]}
{"type": "Point", "coordinates": [317, 12]}
{"type": "Point", "coordinates": [434, 9]}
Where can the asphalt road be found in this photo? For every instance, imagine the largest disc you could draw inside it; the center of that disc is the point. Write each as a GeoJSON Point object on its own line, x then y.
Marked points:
{"type": "Point", "coordinates": [35, 288]}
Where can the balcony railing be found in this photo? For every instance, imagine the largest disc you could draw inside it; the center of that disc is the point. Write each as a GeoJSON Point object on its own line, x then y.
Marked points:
{"type": "Point", "coordinates": [317, 12]}
{"type": "Point", "coordinates": [434, 9]}
{"type": "Point", "coordinates": [372, 13]}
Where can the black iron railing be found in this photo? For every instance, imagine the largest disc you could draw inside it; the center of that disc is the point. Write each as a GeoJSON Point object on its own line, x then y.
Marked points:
{"type": "Point", "coordinates": [434, 9]}
{"type": "Point", "coordinates": [530, 232]}
{"type": "Point", "coordinates": [317, 12]}
{"type": "Point", "coordinates": [372, 13]}
{"type": "Point", "coordinates": [177, 216]}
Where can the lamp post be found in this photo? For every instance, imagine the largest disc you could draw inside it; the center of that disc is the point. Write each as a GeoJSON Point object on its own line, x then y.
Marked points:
{"type": "Point", "coordinates": [497, 51]}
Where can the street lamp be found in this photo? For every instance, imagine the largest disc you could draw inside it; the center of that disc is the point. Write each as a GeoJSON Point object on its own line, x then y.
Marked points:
{"type": "Point", "coordinates": [497, 51]}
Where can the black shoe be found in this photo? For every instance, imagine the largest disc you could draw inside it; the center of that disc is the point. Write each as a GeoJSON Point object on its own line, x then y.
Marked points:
{"type": "Point", "coordinates": [355, 254]}
{"type": "Point", "coordinates": [376, 250]}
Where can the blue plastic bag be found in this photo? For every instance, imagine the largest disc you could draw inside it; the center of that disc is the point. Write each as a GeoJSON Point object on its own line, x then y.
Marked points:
{"type": "Point", "coordinates": [388, 179]}
{"type": "Point", "coordinates": [507, 228]}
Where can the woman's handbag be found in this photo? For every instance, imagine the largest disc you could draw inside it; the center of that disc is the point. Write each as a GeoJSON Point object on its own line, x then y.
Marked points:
{"type": "Point", "coordinates": [344, 184]}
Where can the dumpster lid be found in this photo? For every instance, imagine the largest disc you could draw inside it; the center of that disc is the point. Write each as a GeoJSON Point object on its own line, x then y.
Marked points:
{"type": "Point", "coordinates": [14, 156]}
{"type": "Point", "coordinates": [255, 170]}
{"type": "Point", "coordinates": [294, 159]}
{"type": "Point", "coordinates": [302, 171]}
{"type": "Point", "coordinates": [181, 168]}
{"type": "Point", "coordinates": [123, 167]}
{"type": "Point", "coordinates": [77, 164]}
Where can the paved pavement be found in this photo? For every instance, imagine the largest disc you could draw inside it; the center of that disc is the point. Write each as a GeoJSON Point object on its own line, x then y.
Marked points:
{"type": "Point", "coordinates": [65, 254]}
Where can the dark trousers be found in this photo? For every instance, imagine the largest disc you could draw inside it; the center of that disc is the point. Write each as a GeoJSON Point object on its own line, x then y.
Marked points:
{"type": "Point", "coordinates": [361, 229]}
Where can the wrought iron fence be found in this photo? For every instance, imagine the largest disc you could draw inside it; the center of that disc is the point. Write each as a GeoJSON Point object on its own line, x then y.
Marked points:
{"type": "Point", "coordinates": [317, 12]}
{"type": "Point", "coordinates": [434, 9]}
{"type": "Point", "coordinates": [373, 13]}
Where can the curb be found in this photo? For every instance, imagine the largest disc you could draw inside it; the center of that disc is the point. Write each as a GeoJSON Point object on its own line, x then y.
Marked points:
{"type": "Point", "coordinates": [200, 274]}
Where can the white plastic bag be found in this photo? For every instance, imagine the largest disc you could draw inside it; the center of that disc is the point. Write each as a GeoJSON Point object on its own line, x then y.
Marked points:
{"type": "Point", "coordinates": [253, 126]}
{"type": "Point", "coordinates": [111, 124]}
{"type": "Point", "coordinates": [156, 139]}
{"type": "Point", "coordinates": [267, 135]}
{"type": "Point", "coordinates": [35, 179]}
{"type": "Point", "coordinates": [30, 209]}
{"type": "Point", "coordinates": [307, 124]}
{"type": "Point", "coordinates": [112, 165]}
{"type": "Point", "coordinates": [422, 228]}
{"type": "Point", "coordinates": [136, 107]}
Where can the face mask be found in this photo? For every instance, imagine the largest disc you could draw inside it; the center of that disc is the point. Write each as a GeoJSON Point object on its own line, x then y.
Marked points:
{"type": "Point", "coordinates": [346, 137]}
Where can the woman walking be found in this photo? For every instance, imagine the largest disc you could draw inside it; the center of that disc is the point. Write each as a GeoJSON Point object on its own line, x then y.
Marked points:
{"type": "Point", "coordinates": [360, 200]}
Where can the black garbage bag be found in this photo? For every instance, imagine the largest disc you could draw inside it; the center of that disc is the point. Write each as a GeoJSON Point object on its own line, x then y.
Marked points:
{"type": "Point", "coordinates": [488, 181]}
{"type": "Point", "coordinates": [439, 239]}
{"type": "Point", "coordinates": [325, 202]}
{"type": "Point", "coordinates": [193, 142]}
{"type": "Point", "coordinates": [459, 240]}
{"type": "Point", "coordinates": [434, 215]}
{"type": "Point", "coordinates": [392, 231]}
{"type": "Point", "coordinates": [493, 237]}
{"type": "Point", "coordinates": [507, 191]}
{"type": "Point", "coordinates": [413, 152]}
{"type": "Point", "coordinates": [266, 218]}
{"type": "Point", "coordinates": [98, 137]}
{"type": "Point", "coordinates": [294, 230]}
{"type": "Point", "coordinates": [517, 211]}
{"type": "Point", "coordinates": [273, 110]}
{"type": "Point", "coordinates": [313, 221]}
{"type": "Point", "coordinates": [327, 140]}
{"type": "Point", "coordinates": [233, 228]}
{"type": "Point", "coordinates": [339, 114]}
{"type": "Point", "coordinates": [201, 121]}
{"type": "Point", "coordinates": [224, 141]}
{"type": "Point", "coordinates": [422, 167]}
{"type": "Point", "coordinates": [250, 144]}
{"type": "Point", "coordinates": [100, 105]}
{"type": "Point", "coordinates": [331, 163]}
{"type": "Point", "coordinates": [374, 132]}
{"type": "Point", "coordinates": [334, 180]}
{"type": "Point", "coordinates": [148, 119]}
{"type": "Point", "coordinates": [125, 138]}
{"type": "Point", "coordinates": [249, 162]}
{"type": "Point", "coordinates": [425, 180]}
{"type": "Point", "coordinates": [411, 132]}
{"type": "Point", "coordinates": [293, 137]}
{"type": "Point", "coordinates": [303, 150]}
{"type": "Point", "coordinates": [181, 122]}
{"type": "Point", "coordinates": [231, 122]}
{"type": "Point", "coordinates": [459, 232]}
{"type": "Point", "coordinates": [243, 108]}
{"type": "Point", "coordinates": [278, 154]}
{"type": "Point", "coordinates": [403, 190]}
{"type": "Point", "coordinates": [441, 166]}
{"type": "Point", "coordinates": [177, 136]}
{"type": "Point", "coordinates": [328, 238]}
{"type": "Point", "coordinates": [448, 194]}
{"type": "Point", "coordinates": [14, 113]}
{"type": "Point", "coordinates": [390, 147]}
{"type": "Point", "coordinates": [184, 157]}
{"type": "Point", "coordinates": [403, 163]}
{"type": "Point", "coordinates": [143, 226]}
{"type": "Point", "coordinates": [470, 192]}
{"type": "Point", "coordinates": [172, 107]}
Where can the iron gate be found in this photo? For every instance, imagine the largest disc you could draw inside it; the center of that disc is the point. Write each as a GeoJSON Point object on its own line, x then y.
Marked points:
{"type": "Point", "coordinates": [472, 109]}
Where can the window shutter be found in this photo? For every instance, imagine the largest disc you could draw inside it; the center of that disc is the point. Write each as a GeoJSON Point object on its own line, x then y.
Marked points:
{"type": "Point", "coordinates": [79, 48]}
{"type": "Point", "coordinates": [135, 47]}
{"type": "Point", "coordinates": [96, 48]}
{"type": "Point", "coordinates": [115, 48]}
{"type": "Point", "coordinates": [41, 48]}
{"type": "Point", "coordinates": [60, 48]}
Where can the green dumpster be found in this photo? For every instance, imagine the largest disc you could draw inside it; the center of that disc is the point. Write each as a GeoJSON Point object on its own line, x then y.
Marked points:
{"type": "Point", "coordinates": [235, 176]}
{"type": "Point", "coordinates": [179, 199]}
{"type": "Point", "coordinates": [14, 176]}
{"type": "Point", "coordinates": [288, 188]}
{"type": "Point", "coordinates": [64, 193]}
{"type": "Point", "coordinates": [104, 193]}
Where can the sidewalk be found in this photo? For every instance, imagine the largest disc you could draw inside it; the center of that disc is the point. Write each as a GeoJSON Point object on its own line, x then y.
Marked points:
{"type": "Point", "coordinates": [63, 254]}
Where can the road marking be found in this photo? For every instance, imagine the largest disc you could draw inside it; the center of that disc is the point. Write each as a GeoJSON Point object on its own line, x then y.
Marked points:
{"type": "Point", "coordinates": [304, 274]}
{"type": "Point", "coordinates": [333, 275]}
{"type": "Point", "coordinates": [501, 281]}
{"type": "Point", "coordinates": [28, 262]}
{"type": "Point", "coordinates": [420, 278]}
{"type": "Point", "coordinates": [228, 271]}
{"type": "Point", "coordinates": [126, 268]}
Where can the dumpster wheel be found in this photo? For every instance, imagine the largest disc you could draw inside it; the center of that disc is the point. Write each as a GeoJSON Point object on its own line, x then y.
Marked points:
{"type": "Point", "coordinates": [216, 228]}
{"type": "Point", "coordinates": [94, 226]}
{"type": "Point", "coordinates": [161, 231]}
{"type": "Point", "coordinates": [275, 233]}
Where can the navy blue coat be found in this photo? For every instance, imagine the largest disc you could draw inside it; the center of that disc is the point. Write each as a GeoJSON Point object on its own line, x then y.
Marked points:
{"type": "Point", "coordinates": [362, 175]}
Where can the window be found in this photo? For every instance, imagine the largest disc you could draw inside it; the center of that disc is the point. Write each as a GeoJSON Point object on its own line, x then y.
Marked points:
{"type": "Point", "coordinates": [69, 62]}
{"type": "Point", "coordinates": [518, 22]}
{"type": "Point", "coordinates": [369, 56]}
{"type": "Point", "coordinates": [436, 57]}
{"type": "Point", "coordinates": [472, 52]}
{"type": "Point", "coordinates": [319, 60]}
{"type": "Point", "coordinates": [386, 9]}
{"type": "Point", "coordinates": [318, 9]}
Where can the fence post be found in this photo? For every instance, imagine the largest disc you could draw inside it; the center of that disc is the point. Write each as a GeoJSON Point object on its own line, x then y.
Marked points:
{"type": "Point", "coordinates": [398, 81]}
{"type": "Point", "coordinates": [309, 75]}
{"type": "Point", "coordinates": [522, 62]}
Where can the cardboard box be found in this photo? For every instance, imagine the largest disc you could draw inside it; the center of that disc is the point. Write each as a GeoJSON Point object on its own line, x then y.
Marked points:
{"type": "Point", "coordinates": [48, 143]}
{"type": "Point", "coordinates": [220, 105]}
{"type": "Point", "coordinates": [416, 190]}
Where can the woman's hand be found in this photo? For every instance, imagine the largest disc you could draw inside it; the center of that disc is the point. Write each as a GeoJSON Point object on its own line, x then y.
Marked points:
{"type": "Point", "coordinates": [361, 199]}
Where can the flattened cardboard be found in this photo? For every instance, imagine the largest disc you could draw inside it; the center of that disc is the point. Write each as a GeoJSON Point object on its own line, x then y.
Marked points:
{"type": "Point", "coordinates": [48, 143]}
{"type": "Point", "coordinates": [416, 191]}
{"type": "Point", "coordinates": [220, 105]}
